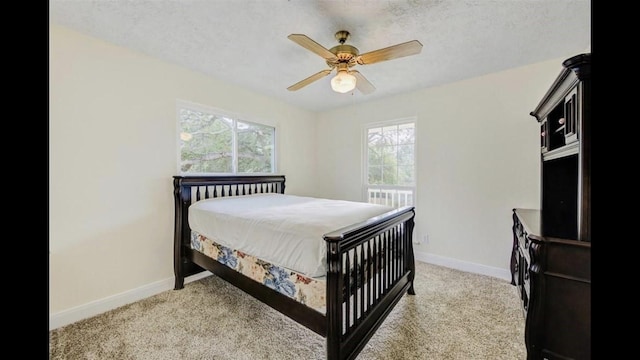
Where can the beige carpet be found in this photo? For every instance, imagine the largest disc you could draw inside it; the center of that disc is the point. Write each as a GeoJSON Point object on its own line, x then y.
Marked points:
{"type": "Point", "coordinates": [454, 315]}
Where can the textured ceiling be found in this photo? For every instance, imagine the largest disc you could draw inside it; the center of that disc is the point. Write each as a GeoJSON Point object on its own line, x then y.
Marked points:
{"type": "Point", "coordinates": [245, 41]}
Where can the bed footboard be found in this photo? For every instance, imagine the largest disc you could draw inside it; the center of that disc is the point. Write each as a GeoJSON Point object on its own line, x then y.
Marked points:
{"type": "Point", "coordinates": [370, 266]}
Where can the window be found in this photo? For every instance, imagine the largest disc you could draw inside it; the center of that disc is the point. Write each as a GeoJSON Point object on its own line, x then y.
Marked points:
{"type": "Point", "coordinates": [214, 142]}
{"type": "Point", "coordinates": [390, 163]}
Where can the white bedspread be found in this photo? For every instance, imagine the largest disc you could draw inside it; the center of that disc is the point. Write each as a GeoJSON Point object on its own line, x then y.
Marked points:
{"type": "Point", "coordinates": [285, 230]}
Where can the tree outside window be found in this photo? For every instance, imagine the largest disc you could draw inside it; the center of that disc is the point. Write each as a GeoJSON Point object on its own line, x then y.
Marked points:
{"type": "Point", "coordinates": [216, 143]}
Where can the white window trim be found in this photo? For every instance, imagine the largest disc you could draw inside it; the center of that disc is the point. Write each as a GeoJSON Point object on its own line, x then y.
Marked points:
{"type": "Point", "coordinates": [181, 104]}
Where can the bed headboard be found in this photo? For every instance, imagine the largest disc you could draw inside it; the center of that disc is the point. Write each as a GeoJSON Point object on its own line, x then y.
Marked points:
{"type": "Point", "coordinates": [189, 189]}
{"type": "Point", "coordinates": [194, 188]}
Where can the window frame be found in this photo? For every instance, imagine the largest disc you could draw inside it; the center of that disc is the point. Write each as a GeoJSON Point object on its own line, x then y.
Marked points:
{"type": "Point", "coordinates": [184, 104]}
{"type": "Point", "coordinates": [365, 157]}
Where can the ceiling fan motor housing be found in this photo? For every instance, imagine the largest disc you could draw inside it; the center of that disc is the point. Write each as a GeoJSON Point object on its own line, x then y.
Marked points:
{"type": "Point", "coordinates": [344, 54]}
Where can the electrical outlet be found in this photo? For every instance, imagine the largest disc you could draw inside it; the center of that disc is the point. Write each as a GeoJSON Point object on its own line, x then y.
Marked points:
{"type": "Point", "coordinates": [418, 240]}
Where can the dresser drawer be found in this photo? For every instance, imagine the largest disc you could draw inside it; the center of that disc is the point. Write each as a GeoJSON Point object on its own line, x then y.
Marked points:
{"type": "Point", "coordinates": [524, 280]}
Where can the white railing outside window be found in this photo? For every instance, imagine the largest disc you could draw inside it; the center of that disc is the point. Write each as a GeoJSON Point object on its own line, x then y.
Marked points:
{"type": "Point", "coordinates": [391, 196]}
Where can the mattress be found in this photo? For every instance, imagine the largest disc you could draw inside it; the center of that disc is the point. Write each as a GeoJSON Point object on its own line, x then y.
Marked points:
{"type": "Point", "coordinates": [284, 230]}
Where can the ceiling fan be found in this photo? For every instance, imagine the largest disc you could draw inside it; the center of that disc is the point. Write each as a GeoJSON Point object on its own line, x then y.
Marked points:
{"type": "Point", "coordinates": [344, 57]}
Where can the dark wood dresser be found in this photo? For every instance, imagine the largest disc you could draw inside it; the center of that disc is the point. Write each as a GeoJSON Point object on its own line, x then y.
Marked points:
{"type": "Point", "coordinates": [551, 257]}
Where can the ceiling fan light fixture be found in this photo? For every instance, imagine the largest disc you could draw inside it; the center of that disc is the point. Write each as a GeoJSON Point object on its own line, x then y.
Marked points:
{"type": "Point", "coordinates": [343, 82]}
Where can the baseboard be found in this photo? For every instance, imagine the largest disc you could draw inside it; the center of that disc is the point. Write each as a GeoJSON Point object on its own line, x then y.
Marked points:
{"type": "Point", "coordinates": [98, 307]}
{"type": "Point", "coordinates": [475, 268]}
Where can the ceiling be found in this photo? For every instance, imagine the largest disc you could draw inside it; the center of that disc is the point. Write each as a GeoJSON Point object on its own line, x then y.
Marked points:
{"type": "Point", "coordinates": [244, 42]}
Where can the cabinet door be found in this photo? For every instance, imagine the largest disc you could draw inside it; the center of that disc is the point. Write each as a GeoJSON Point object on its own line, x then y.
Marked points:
{"type": "Point", "coordinates": [544, 138]}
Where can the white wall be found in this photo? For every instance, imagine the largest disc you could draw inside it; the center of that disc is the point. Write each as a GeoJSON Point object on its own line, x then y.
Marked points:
{"type": "Point", "coordinates": [478, 157]}
{"type": "Point", "coordinates": [112, 154]}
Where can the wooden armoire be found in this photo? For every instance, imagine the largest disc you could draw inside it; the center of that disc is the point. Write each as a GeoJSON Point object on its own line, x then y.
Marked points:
{"type": "Point", "coordinates": [551, 257]}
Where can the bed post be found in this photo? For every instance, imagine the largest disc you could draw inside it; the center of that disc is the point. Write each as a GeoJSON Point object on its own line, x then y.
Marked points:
{"type": "Point", "coordinates": [334, 300]}
{"type": "Point", "coordinates": [179, 222]}
{"type": "Point", "coordinates": [182, 265]}
{"type": "Point", "coordinates": [412, 261]}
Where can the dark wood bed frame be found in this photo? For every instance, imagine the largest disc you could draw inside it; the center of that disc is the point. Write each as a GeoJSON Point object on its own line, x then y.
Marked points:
{"type": "Point", "coordinates": [376, 282]}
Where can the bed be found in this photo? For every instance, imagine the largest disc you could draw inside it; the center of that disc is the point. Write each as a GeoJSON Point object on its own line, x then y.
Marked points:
{"type": "Point", "coordinates": [357, 274]}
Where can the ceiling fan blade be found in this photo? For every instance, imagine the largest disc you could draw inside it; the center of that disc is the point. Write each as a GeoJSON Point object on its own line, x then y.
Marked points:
{"type": "Point", "coordinates": [307, 43]}
{"type": "Point", "coordinates": [392, 52]}
{"type": "Point", "coordinates": [317, 76]}
{"type": "Point", "coordinates": [362, 83]}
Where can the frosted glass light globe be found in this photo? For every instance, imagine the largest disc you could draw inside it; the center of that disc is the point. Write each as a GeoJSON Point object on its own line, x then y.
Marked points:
{"type": "Point", "coordinates": [343, 82]}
